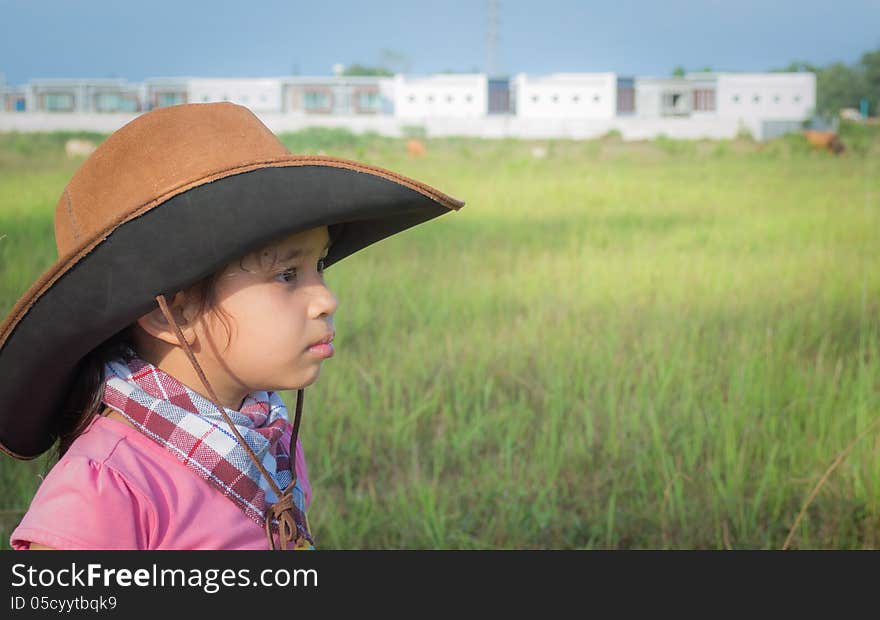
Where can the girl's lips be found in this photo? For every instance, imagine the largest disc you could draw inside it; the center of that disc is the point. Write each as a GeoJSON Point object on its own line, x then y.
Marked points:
{"type": "Point", "coordinates": [322, 350]}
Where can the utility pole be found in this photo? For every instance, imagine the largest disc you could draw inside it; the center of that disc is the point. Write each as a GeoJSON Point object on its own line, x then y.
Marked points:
{"type": "Point", "coordinates": [492, 37]}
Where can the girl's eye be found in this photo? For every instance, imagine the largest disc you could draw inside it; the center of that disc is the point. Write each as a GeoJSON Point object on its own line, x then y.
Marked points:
{"type": "Point", "coordinates": [292, 271]}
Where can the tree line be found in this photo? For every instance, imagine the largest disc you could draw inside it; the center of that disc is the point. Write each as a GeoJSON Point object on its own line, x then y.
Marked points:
{"type": "Point", "coordinates": [839, 85]}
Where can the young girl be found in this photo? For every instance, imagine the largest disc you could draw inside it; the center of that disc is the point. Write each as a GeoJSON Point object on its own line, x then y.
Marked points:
{"type": "Point", "coordinates": [171, 433]}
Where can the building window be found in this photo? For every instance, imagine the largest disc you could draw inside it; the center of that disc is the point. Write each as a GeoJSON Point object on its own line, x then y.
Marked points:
{"type": "Point", "coordinates": [115, 102]}
{"type": "Point", "coordinates": [366, 100]}
{"type": "Point", "coordinates": [316, 100]}
{"type": "Point", "coordinates": [205, 98]}
{"type": "Point", "coordinates": [58, 102]}
{"type": "Point", "coordinates": [626, 99]}
{"type": "Point", "coordinates": [166, 99]}
{"type": "Point", "coordinates": [704, 100]}
{"type": "Point", "coordinates": [575, 98]}
{"type": "Point", "coordinates": [449, 98]}
{"type": "Point", "coordinates": [263, 98]}
{"type": "Point", "coordinates": [596, 98]}
{"type": "Point", "coordinates": [469, 98]}
{"type": "Point", "coordinates": [535, 98]}
{"type": "Point", "coordinates": [412, 98]}
{"type": "Point", "coordinates": [797, 98]}
{"type": "Point", "coordinates": [672, 103]}
{"type": "Point", "coordinates": [756, 99]}
{"type": "Point", "coordinates": [430, 98]}
{"type": "Point", "coordinates": [776, 99]}
{"type": "Point", "coordinates": [735, 98]}
{"type": "Point", "coordinates": [555, 98]}
{"type": "Point", "coordinates": [15, 103]}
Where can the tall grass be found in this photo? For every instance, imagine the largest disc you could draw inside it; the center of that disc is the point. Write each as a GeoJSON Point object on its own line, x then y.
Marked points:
{"type": "Point", "coordinates": [620, 345]}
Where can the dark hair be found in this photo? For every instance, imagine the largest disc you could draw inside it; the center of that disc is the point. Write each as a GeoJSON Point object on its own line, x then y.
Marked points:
{"type": "Point", "coordinates": [87, 390]}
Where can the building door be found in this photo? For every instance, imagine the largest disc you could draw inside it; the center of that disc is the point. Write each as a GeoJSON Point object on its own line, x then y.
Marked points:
{"type": "Point", "coordinates": [626, 96]}
{"type": "Point", "coordinates": [499, 96]}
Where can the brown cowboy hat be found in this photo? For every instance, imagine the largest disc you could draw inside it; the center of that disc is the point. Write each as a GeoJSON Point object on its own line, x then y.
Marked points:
{"type": "Point", "coordinates": [162, 203]}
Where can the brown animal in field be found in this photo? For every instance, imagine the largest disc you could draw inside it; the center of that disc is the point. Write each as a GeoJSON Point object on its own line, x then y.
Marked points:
{"type": "Point", "coordinates": [824, 140]}
{"type": "Point", "coordinates": [415, 148]}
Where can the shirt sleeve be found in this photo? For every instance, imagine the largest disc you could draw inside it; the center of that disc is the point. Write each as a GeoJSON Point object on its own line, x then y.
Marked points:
{"type": "Point", "coordinates": [85, 504]}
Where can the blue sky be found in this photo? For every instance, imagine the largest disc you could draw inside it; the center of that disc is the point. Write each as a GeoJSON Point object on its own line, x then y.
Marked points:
{"type": "Point", "coordinates": [134, 40]}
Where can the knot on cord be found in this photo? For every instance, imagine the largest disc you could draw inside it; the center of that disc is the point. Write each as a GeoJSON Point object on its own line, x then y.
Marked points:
{"type": "Point", "coordinates": [289, 528]}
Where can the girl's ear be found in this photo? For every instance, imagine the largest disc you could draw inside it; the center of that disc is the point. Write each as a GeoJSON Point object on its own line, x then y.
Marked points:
{"type": "Point", "coordinates": [155, 323]}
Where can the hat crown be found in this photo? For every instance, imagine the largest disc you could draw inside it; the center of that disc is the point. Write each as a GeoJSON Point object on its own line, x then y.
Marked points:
{"type": "Point", "coordinates": [154, 157]}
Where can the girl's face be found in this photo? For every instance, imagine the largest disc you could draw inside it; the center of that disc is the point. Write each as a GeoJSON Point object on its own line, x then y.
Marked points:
{"type": "Point", "coordinates": [273, 317]}
{"type": "Point", "coordinates": [277, 314]}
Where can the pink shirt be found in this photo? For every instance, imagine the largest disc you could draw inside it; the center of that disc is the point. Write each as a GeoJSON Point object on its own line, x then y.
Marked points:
{"type": "Point", "coordinates": [115, 488]}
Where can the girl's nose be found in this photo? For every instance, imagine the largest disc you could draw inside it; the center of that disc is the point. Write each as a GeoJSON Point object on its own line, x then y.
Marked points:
{"type": "Point", "coordinates": [324, 301]}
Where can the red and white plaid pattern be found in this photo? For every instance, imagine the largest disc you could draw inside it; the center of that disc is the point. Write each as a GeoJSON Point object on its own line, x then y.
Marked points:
{"type": "Point", "coordinates": [191, 427]}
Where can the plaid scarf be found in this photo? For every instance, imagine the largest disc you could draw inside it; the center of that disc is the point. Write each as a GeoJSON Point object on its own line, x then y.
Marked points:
{"type": "Point", "coordinates": [191, 427]}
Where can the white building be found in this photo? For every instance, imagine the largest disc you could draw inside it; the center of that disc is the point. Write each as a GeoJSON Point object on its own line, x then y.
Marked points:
{"type": "Point", "coordinates": [566, 95]}
{"type": "Point", "coordinates": [338, 95]}
{"type": "Point", "coordinates": [663, 97]}
{"type": "Point", "coordinates": [159, 92]}
{"type": "Point", "coordinates": [768, 96]}
{"type": "Point", "coordinates": [444, 95]}
{"type": "Point", "coordinates": [257, 94]}
{"type": "Point", "coordinates": [573, 105]}
{"type": "Point", "coordinates": [744, 96]}
{"type": "Point", "coordinates": [82, 95]}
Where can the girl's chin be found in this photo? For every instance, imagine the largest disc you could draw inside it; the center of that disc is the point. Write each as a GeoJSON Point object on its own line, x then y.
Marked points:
{"type": "Point", "coordinates": [306, 379]}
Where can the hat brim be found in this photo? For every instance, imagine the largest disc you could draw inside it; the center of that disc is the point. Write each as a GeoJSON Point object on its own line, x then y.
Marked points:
{"type": "Point", "coordinates": [168, 248]}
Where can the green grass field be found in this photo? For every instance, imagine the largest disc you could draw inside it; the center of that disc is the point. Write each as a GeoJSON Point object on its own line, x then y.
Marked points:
{"type": "Point", "coordinates": [621, 345]}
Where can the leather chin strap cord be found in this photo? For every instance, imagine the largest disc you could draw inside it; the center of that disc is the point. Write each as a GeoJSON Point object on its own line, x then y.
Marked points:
{"type": "Point", "coordinates": [282, 510]}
